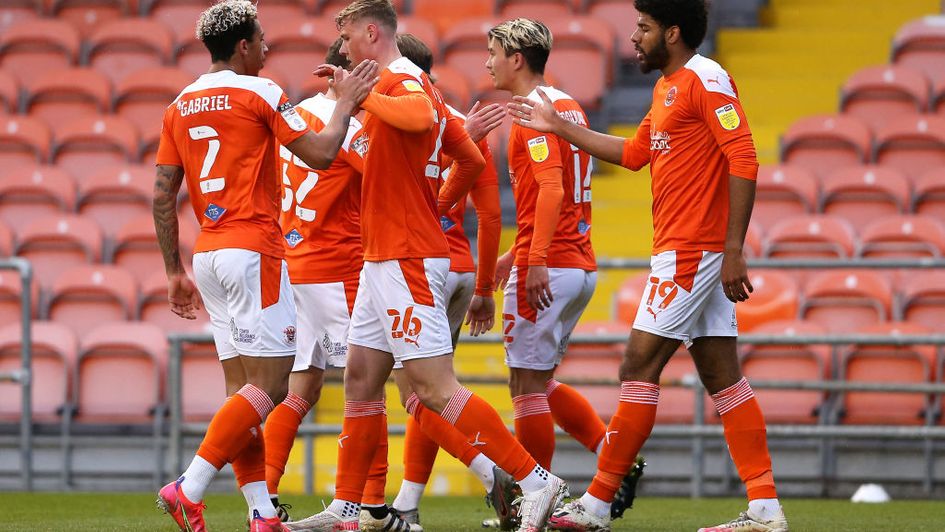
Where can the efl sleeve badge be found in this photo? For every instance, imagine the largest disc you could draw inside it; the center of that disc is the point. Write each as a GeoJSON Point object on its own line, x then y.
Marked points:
{"type": "Point", "coordinates": [538, 148]}
{"type": "Point", "coordinates": [728, 117]}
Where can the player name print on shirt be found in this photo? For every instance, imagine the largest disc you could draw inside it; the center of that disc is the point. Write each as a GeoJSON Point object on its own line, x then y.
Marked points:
{"type": "Point", "coordinates": [728, 117]}
{"type": "Point", "coordinates": [538, 148]}
{"type": "Point", "coordinates": [220, 102]}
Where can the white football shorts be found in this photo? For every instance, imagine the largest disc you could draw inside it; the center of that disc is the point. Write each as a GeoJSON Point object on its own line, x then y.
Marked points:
{"type": "Point", "coordinates": [537, 339]}
{"type": "Point", "coordinates": [324, 318]}
{"type": "Point", "coordinates": [401, 308]}
{"type": "Point", "coordinates": [249, 299]}
{"type": "Point", "coordinates": [684, 299]}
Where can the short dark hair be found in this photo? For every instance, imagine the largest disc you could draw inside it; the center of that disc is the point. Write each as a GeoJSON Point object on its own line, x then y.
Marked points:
{"type": "Point", "coordinates": [528, 37]}
{"type": "Point", "coordinates": [691, 16]}
{"type": "Point", "coordinates": [224, 24]}
{"type": "Point", "coordinates": [415, 50]}
{"type": "Point", "coordinates": [334, 57]}
{"type": "Point", "coordinates": [381, 11]}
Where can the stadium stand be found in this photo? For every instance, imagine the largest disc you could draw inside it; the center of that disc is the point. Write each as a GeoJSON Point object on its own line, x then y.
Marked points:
{"type": "Point", "coordinates": [861, 194]}
{"type": "Point", "coordinates": [86, 144]}
{"type": "Point", "coordinates": [815, 235]}
{"type": "Point", "coordinates": [142, 96]}
{"type": "Point", "coordinates": [152, 306]}
{"type": "Point", "coordinates": [16, 12]}
{"type": "Point", "coordinates": [775, 297]}
{"type": "Point", "coordinates": [87, 15]}
{"type": "Point", "coordinates": [912, 144]}
{"type": "Point", "coordinates": [921, 44]}
{"type": "Point", "coordinates": [876, 95]}
{"type": "Point", "coordinates": [55, 245]}
{"type": "Point", "coordinates": [24, 141]}
{"type": "Point", "coordinates": [136, 248]}
{"type": "Point", "coordinates": [824, 143]}
{"type": "Point", "coordinates": [444, 13]}
{"type": "Point", "coordinates": [528, 8]}
{"type": "Point", "coordinates": [29, 193]}
{"type": "Point", "coordinates": [783, 191]}
{"type": "Point", "coordinates": [846, 300]}
{"type": "Point", "coordinates": [124, 46]}
{"type": "Point", "coordinates": [902, 236]}
{"type": "Point", "coordinates": [9, 92]}
{"type": "Point", "coordinates": [11, 288]}
{"type": "Point", "coordinates": [83, 297]}
{"type": "Point", "coordinates": [34, 48]}
{"type": "Point", "coordinates": [54, 354]}
{"type": "Point", "coordinates": [64, 95]}
{"type": "Point", "coordinates": [114, 195]}
{"type": "Point", "coordinates": [929, 194]}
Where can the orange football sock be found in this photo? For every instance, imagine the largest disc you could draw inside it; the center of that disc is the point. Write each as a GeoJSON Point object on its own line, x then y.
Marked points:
{"type": "Point", "coordinates": [282, 425]}
{"type": "Point", "coordinates": [230, 429]}
{"type": "Point", "coordinates": [534, 427]}
{"type": "Point", "coordinates": [364, 422]}
{"type": "Point", "coordinates": [445, 435]}
{"type": "Point", "coordinates": [573, 413]}
{"type": "Point", "coordinates": [377, 475]}
{"type": "Point", "coordinates": [482, 425]}
{"type": "Point", "coordinates": [250, 465]}
{"type": "Point", "coordinates": [419, 453]}
{"type": "Point", "coordinates": [747, 438]}
{"type": "Point", "coordinates": [628, 430]}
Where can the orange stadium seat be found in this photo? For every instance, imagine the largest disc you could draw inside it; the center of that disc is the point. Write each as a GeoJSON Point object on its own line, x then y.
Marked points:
{"type": "Point", "coordinates": [150, 139]}
{"type": "Point", "coordinates": [782, 191]}
{"type": "Point", "coordinates": [444, 13]}
{"type": "Point", "coordinates": [330, 8]}
{"type": "Point", "coordinates": [877, 94]}
{"type": "Point", "coordinates": [465, 47]}
{"type": "Point", "coordinates": [888, 364]}
{"type": "Point", "coordinates": [29, 193]}
{"type": "Point", "coordinates": [153, 307]}
{"type": "Point", "coordinates": [752, 243]}
{"type": "Point", "coordinates": [24, 141]}
{"type": "Point", "coordinates": [922, 300]}
{"type": "Point", "coordinates": [36, 47]}
{"type": "Point", "coordinates": [113, 195]}
{"type": "Point", "coordinates": [83, 297]}
{"type": "Point", "coordinates": [815, 235]}
{"type": "Point", "coordinates": [9, 92]}
{"type": "Point", "coordinates": [921, 44]}
{"type": "Point", "coordinates": [54, 349]}
{"type": "Point", "coordinates": [792, 363]}
{"type": "Point", "coordinates": [628, 296]}
{"type": "Point", "coordinates": [124, 46]}
{"type": "Point", "coordinates": [861, 194]}
{"type": "Point", "coordinates": [296, 47]}
{"type": "Point", "coordinates": [420, 28]}
{"type": "Point", "coordinates": [937, 103]}
{"type": "Point", "coordinates": [278, 11]}
{"type": "Point", "coordinates": [66, 94]}
{"type": "Point", "coordinates": [88, 15]}
{"type": "Point", "coordinates": [11, 289]}
{"type": "Point", "coordinates": [826, 142]}
{"type": "Point", "coordinates": [847, 300]}
{"type": "Point", "coordinates": [454, 86]}
{"type": "Point", "coordinates": [120, 373]}
{"type": "Point", "coordinates": [536, 9]}
{"type": "Point", "coordinates": [6, 241]}
{"type": "Point", "coordinates": [774, 298]}
{"type": "Point", "coordinates": [583, 59]}
{"type": "Point", "coordinates": [87, 144]}
{"type": "Point", "coordinates": [57, 244]}
{"type": "Point", "coordinates": [136, 246]}
{"type": "Point", "coordinates": [903, 236]}
{"type": "Point", "coordinates": [203, 387]}
{"type": "Point", "coordinates": [929, 194]}
{"type": "Point", "coordinates": [143, 96]}
{"type": "Point", "coordinates": [622, 18]}
{"type": "Point", "coordinates": [913, 144]}
{"type": "Point", "coordinates": [17, 12]}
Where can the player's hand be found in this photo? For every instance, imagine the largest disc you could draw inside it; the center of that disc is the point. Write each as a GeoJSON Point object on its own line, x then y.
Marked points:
{"type": "Point", "coordinates": [356, 85]}
{"type": "Point", "coordinates": [538, 288]}
{"type": "Point", "coordinates": [481, 314]}
{"type": "Point", "coordinates": [735, 280]}
{"type": "Point", "coordinates": [183, 296]}
{"type": "Point", "coordinates": [324, 71]}
{"type": "Point", "coordinates": [540, 116]}
{"type": "Point", "coordinates": [481, 120]}
{"type": "Point", "coordinates": [503, 268]}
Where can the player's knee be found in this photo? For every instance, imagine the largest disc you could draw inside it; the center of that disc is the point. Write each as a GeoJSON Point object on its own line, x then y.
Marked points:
{"type": "Point", "coordinates": [433, 397]}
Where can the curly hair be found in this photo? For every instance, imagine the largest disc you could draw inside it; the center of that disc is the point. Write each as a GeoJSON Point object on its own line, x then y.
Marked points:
{"type": "Point", "coordinates": [224, 24]}
{"type": "Point", "coordinates": [528, 37]}
{"type": "Point", "coordinates": [691, 16]}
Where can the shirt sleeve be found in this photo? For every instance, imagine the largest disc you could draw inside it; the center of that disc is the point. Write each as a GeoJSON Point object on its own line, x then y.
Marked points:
{"type": "Point", "coordinates": [167, 151]}
{"type": "Point", "coordinates": [724, 116]}
{"type": "Point", "coordinates": [636, 151]}
{"type": "Point", "coordinates": [468, 163]}
{"type": "Point", "coordinates": [353, 151]}
{"type": "Point", "coordinates": [404, 105]}
{"type": "Point", "coordinates": [284, 121]}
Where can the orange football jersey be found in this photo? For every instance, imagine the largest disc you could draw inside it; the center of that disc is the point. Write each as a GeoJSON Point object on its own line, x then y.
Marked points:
{"type": "Point", "coordinates": [531, 152]}
{"type": "Point", "coordinates": [223, 129]}
{"type": "Point", "coordinates": [693, 138]}
{"type": "Point", "coordinates": [320, 221]}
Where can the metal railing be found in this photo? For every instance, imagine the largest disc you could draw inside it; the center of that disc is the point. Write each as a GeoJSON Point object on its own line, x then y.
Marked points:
{"type": "Point", "coordinates": [698, 430]}
{"type": "Point", "coordinates": [23, 376]}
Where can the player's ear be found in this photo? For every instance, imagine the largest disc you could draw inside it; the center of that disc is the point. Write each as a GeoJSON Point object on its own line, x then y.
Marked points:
{"type": "Point", "coordinates": [672, 34]}
{"type": "Point", "coordinates": [371, 30]}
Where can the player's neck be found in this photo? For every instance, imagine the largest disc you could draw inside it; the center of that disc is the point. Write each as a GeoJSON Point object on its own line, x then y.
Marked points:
{"type": "Point", "coordinates": [386, 56]}
{"type": "Point", "coordinates": [330, 94]}
{"type": "Point", "coordinates": [677, 61]}
{"type": "Point", "coordinates": [524, 85]}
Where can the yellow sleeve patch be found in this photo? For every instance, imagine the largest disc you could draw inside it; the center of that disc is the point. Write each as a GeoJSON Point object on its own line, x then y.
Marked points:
{"type": "Point", "coordinates": [538, 148]}
{"type": "Point", "coordinates": [728, 117]}
{"type": "Point", "coordinates": [413, 86]}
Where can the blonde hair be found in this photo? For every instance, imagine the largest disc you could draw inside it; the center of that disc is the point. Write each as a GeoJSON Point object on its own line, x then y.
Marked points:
{"type": "Point", "coordinates": [380, 10]}
{"type": "Point", "coordinates": [224, 16]}
{"type": "Point", "coordinates": [528, 37]}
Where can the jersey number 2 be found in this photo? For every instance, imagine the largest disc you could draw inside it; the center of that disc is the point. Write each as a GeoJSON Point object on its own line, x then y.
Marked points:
{"type": "Point", "coordinates": [209, 134]}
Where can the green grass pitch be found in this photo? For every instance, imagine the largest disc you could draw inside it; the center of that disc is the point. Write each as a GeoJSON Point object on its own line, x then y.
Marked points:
{"type": "Point", "coordinates": [136, 512]}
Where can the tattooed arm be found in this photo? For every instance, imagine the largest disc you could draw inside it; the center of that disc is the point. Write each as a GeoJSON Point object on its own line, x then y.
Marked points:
{"type": "Point", "coordinates": [181, 293]}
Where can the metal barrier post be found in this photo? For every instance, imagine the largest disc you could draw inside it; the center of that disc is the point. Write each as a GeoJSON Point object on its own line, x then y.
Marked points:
{"type": "Point", "coordinates": [698, 444]}
{"type": "Point", "coordinates": [175, 442]}
{"type": "Point", "coordinates": [26, 376]}
{"type": "Point", "coordinates": [309, 476]}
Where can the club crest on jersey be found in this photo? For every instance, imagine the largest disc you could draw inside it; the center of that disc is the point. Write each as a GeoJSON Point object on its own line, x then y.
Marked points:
{"type": "Point", "coordinates": [214, 212]}
{"type": "Point", "coordinates": [293, 238]}
{"type": "Point", "coordinates": [413, 85]}
{"type": "Point", "coordinates": [583, 227]}
{"type": "Point", "coordinates": [446, 223]}
{"type": "Point", "coordinates": [670, 96]}
{"type": "Point", "coordinates": [538, 148]}
{"type": "Point", "coordinates": [728, 117]}
{"type": "Point", "coordinates": [289, 333]}
{"type": "Point", "coordinates": [360, 145]}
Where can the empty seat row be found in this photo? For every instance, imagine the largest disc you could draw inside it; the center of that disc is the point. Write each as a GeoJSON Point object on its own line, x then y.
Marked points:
{"type": "Point", "coordinates": [877, 94]}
